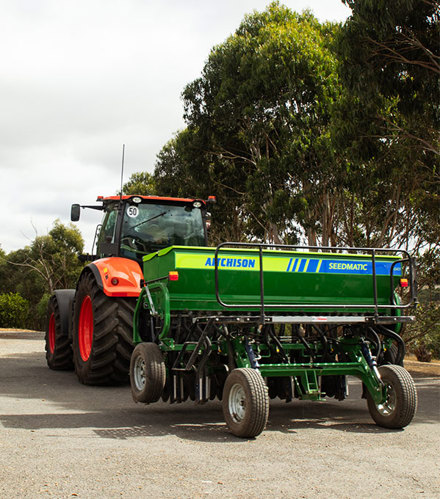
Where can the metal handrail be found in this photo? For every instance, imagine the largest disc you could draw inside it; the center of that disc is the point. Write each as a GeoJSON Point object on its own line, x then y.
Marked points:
{"type": "Point", "coordinates": [372, 251]}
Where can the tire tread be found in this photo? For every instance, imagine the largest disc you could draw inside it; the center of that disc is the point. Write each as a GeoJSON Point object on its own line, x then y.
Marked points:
{"type": "Point", "coordinates": [109, 360]}
{"type": "Point", "coordinates": [62, 357]}
{"type": "Point", "coordinates": [156, 373]}
{"type": "Point", "coordinates": [258, 404]}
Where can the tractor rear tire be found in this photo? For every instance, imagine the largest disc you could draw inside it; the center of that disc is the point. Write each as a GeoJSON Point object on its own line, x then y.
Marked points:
{"type": "Point", "coordinates": [245, 402]}
{"type": "Point", "coordinates": [391, 355]}
{"type": "Point", "coordinates": [400, 405]}
{"type": "Point", "coordinates": [102, 334]}
{"type": "Point", "coordinates": [59, 355]}
{"type": "Point", "coordinates": [147, 373]}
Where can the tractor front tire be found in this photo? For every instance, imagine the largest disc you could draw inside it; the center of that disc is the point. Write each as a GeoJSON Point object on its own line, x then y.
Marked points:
{"type": "Point", "coordinates": [147, 373]}
{"type": "Point", "coordinates": [59, 355]}
{"type": "Point", "coordinates": [102, 334]}
{"type": "Point", "coordinates": [245, 402]}
{"type": "Point", "coordinates": [400, 406]}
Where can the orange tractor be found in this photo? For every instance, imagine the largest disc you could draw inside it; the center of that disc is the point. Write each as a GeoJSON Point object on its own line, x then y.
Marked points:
{"type": "Point", "coordinates": [90, 328]}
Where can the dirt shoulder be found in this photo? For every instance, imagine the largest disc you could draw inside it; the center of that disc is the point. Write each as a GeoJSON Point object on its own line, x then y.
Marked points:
{"type": "Point", "coordinates": [416, 368]}
{"type": "Point", "coordinates": [6, 330]}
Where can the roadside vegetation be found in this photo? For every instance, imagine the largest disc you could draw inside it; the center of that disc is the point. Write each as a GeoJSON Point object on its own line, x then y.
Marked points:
{"type": "Point", "coordinates": [29, 275]}
{"type": "Point", "coordinates": [307, 133]}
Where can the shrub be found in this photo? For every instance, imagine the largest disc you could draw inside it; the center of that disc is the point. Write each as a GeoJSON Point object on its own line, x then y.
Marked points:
{"type": "Point", "coordinates": [13, 310]}
{"type": "Point", "coordinates": [41, 312]}
{"type": "Point", "coordinates": [423, 336]}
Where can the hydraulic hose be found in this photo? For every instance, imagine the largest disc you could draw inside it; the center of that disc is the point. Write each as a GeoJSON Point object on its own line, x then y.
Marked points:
{"type": "Point", "coordinates": [377, 340]}
{"type": "Point", "coordinates": [400, 343]}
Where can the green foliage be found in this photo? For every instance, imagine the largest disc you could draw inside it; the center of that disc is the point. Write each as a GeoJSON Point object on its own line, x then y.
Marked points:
{"type": "Point", "coordinates": [258, 127]}
{"type": "Point", "coordinates": [388, 121]}
{"type": "Point", "coordinates": [181, 172]}
{"type": "Point", "coordinates": [316, 131]}
{"type": "Point", "coordinates": [141, 183]}
{"type": "Point", "coordinates": [3, 267]}
{"type": "Point", "coordinates": [50, 262]}
{"type": "Point", "coordinates": [428, 275]}
{"type": "Point", "coordinates": [394, 52]}
{"type": "Point", "coordinates": [41, 311]}
{"type": "Point", "coordinates": [424, 334]}
{"type": "Point", "coordinates": [13, 310]}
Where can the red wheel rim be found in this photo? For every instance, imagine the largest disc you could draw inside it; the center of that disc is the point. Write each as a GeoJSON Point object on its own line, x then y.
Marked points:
{"type": "Point", "coordinates": [52, 333]}
{"type": "Point", "coordinates": [85, 328]}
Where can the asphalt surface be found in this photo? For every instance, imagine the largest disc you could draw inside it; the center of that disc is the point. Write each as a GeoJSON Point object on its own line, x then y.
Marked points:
{"type": "Point", "coordinates": [62, 439]}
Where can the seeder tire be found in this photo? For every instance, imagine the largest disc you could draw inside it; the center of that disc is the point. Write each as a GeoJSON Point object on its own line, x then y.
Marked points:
{"type": "Point", "coordinates": [400, 406]}
{"type": "Point", "coordinates": [147, 373]}
{"type": "Point", "coordinates": [102, 335]}
{"type": "Point", "coordinates": [59, 355]}
{"type": "Point", "coordinates": [245, 402]}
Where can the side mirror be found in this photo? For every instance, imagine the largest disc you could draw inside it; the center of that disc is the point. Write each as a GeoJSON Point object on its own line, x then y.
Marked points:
{"type": "Point", "coordinates": [75, 212]}
{"type": "Point", "coordinates": [208, 220]}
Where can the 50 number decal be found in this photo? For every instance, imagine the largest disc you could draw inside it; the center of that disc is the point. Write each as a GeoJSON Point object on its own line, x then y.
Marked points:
{"type": "Point", "coordinates": [132, 211]}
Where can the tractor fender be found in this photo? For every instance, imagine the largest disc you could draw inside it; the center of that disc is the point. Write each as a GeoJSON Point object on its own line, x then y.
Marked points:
{"type": "Point", "coordinates": [64, 298]}
{"type": "Point", "coordinates": [116, 276]}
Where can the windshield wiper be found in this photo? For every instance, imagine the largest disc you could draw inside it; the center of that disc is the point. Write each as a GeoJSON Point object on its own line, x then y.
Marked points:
{"type": "Point", "coordinates": [149, 219]}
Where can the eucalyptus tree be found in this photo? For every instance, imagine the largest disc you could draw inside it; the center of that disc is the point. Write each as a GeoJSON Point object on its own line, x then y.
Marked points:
{"type": "Point", "coordinates": [260, 112]}
{"type": "Point", "coordinates": [389, 121]}
{"type": "Point", "coordinates": [141, 183]}
{"type": "Point", "coordinates": [50, 262]}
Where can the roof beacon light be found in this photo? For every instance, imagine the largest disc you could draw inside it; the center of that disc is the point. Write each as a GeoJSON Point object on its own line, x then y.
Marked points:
{"type": "Point", "coordinates": [404, 283]}
{"type": "Point", "coordinates": [173, 276]}
{"type": "Point", "coordinates": [197, 204]}
{"type": "Point", "coordinates": [137, 200]}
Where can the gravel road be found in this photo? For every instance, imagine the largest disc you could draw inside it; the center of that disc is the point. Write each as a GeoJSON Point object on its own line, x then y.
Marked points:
{"type": "Point", "coordinates": [62, 439]}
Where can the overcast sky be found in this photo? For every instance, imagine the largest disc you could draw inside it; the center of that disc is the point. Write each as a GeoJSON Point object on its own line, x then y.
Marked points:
{"type": "Point", "coordinates": [78, 78]}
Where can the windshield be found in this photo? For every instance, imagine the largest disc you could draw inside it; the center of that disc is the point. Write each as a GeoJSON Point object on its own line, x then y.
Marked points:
{"type": "Point", "coordinates": [150, 227]}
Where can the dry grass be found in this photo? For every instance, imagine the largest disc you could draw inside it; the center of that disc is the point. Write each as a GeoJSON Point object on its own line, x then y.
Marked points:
{"type": "Point", "coordinates": [422, 368]}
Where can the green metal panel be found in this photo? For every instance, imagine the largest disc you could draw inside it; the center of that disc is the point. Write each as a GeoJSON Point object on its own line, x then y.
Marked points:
{"type": "Point", "coordinates": [290, 277]}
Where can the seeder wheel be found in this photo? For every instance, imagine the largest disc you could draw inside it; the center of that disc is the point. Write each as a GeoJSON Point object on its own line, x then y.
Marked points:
{"type": "Point", "coordinates": [398, 410]}
{"type": "Point", "coordinates": [245, 402]}
{"type": "Point", "coordinates": [147, 373]}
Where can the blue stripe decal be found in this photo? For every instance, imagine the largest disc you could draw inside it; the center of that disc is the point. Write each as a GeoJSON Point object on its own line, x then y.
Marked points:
{"type": "Point", "coordinates": [355, 267]}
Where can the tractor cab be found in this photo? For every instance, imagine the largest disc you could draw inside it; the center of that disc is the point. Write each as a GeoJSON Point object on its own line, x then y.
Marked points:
{"type": "Point", "coordinates": [134, 226]}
